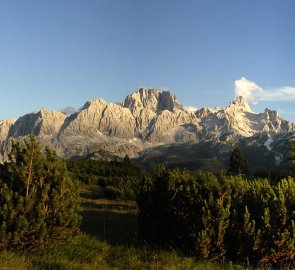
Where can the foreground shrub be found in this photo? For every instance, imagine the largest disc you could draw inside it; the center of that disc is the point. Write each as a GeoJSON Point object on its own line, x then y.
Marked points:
{"type": "Point", "coordinates": [38, 200]}
{"type": "Point", "coordinates": [220, 217]}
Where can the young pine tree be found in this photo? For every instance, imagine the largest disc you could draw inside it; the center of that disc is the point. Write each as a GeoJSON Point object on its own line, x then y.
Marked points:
{"type": "Point", "coordinates": [38, 200]}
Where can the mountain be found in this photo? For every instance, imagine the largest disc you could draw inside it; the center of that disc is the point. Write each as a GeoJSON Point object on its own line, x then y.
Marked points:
{"type": "Point", "coordinates": [152, 125]}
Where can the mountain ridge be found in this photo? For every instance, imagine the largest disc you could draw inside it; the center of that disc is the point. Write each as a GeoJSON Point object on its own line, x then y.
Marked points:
{"type": "Point", "coordinates": [145, 119]}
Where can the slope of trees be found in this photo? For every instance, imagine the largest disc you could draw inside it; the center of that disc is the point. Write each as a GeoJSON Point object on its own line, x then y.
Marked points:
{"type": "Point", "coordinates": [220, 217]}
{"type": "Point", "coordinates": [38, 199]}
{"type": "Point", "coordinates": [119, 180]}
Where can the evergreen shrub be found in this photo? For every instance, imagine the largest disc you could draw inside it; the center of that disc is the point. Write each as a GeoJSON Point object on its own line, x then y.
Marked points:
{"type": "Point", "coordinates": [38, 199]}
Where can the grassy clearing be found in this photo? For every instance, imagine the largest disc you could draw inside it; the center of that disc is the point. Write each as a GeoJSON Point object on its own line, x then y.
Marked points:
{"type": "Point", "coordinates": [108, 220]}
{"type": "Point", "coordinates": [107, 242]}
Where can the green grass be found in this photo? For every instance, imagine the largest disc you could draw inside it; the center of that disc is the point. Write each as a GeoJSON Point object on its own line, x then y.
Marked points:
{"type": "Point", "coordinates": [107, 242]}
{"type": "Point", "coordinates": [108, 220]}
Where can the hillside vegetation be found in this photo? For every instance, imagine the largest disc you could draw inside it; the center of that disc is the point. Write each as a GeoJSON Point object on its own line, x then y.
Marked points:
{"type": "Point", "coordinates": [127, 219]}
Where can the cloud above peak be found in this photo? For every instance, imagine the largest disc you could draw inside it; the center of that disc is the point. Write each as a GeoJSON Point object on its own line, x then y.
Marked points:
{"type": "Point", "coordinates": [248, 89]}
{"type": "Point", "coordinates": [190, 108]}
{"type": "Point", "coordinates": [254, 93]}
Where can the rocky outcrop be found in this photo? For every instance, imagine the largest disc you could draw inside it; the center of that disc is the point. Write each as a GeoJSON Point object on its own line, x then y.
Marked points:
{"type": "Point", "coordinates": [146, 104]}
{"type": "Point", "coordinates": [97, 117]}
{"type": "Point", "coordinates": [151, 99]}
{"type": "Point", "coordinates": [166, 126]}
{"type": "Point", "coordinates": [86, 120]}
{"type": "Point", "coordinates": [239, 104]}
{"type": "Point", "coordinates": [43, 123]}
{"type": "Point", "coordinates": [5, 126]}
{"type": "Point", "coordinates": [273, 122]}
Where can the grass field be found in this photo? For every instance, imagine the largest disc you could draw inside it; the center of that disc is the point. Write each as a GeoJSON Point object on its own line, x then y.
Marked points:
{"type": "Point", "coordinates": [107, 242]}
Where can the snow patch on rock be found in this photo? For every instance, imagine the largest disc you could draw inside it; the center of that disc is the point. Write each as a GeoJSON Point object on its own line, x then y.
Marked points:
{"type": "Point", "coordinates": [278, 160]}
{"type": "Point", "coordinates": [268, 143]}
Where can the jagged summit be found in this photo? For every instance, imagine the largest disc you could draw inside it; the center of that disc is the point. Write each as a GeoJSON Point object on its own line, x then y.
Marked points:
{"type": "Point", "coordinates": [240, 103]}
{"type": "Point", "coordinates": [151, 99]}
{"type": "Point", "coordinates": [5, 126]}
{"type": "Point", "coordinates": [44, 122]}
{"type": "Point", "coordinates": [93, 103]}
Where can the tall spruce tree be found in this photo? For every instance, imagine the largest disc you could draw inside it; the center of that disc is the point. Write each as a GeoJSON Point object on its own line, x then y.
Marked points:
{"type": "Point", "coordinates": [237, 162]}
{"type": "Point", "coordinates": [38, 200]}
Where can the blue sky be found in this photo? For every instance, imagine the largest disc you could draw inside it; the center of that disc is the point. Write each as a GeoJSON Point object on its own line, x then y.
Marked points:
{"type": "Point", "coordinates": [62, 53]}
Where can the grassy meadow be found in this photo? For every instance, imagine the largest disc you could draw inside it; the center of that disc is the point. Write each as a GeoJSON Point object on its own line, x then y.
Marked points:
{"type": "Point", "coordinates": [107, 242]}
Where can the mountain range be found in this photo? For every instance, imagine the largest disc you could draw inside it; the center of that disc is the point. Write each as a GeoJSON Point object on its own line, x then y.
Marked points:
{"type": "Point", "coordinates": [152, 126]}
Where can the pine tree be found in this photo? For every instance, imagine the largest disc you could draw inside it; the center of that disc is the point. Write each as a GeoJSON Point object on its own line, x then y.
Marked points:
{"type": "Point", "coordinates": [127, 160]}
{"type": "Point", "coordinates": [292, 156]}
{"type": "Point", "coordinates": [38, 200]}
{"type": "Point", "coordinates": [238, 164]}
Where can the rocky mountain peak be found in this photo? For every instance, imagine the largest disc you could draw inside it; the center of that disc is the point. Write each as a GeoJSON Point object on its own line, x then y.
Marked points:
{"type": "Point", "coordinates": [241, 104]}
{"type": "Point", "coordinates": [151, 99]}
{"type": "Point", "coordinates": [142, 99]}
{"type": "Point", "coordinates": [94, 103]}
{"type": "Point", "coordinates": [44, 122]}
{"type": "Point", "coordinates": [272, 113]}
{"type": "Point", "coordinates": [5, 125]}
{"type": "Point", "coordinates": [272, 119]}
{"type": "Point", "coordinates": [168, 101]}
{"type": "Point", "coordinates": [50, 114]}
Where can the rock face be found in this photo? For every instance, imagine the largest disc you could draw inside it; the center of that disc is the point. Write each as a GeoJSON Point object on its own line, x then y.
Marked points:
{"type": "Point", "coordinates": [151, 99]}
{"type": "Point", "coordinates": [146, 104]}
{"type": "Point", "coordinates": [43, 123]}
{"type": "Point", "coordinates": [99, 117]}
{"type": "Point", "coordinates": [145, 119]}
{"type": "Point", "coordinates": [5, 126]}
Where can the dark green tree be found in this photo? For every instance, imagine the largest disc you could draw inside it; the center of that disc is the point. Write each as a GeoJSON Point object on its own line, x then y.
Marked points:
{"type": "Point", "coordinates": [292, 156]}
{"type": "Point", "coordinates": [127, 160]}
{"type": "Point", "coordinates": [237, 163]}
{"type": "Point", "coordinates": [38, 199]}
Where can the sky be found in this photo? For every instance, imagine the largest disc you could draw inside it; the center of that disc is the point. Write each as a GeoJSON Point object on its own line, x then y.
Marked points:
{"type": "Point", "coordinates": [61, 53]}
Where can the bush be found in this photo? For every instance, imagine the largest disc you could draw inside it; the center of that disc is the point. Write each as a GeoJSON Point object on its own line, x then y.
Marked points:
{"type": "Point", "coordinates": [38, 200]}
{"type": "Point", "coordinates": [119, 180]}
{"type": "Point", "coordinates": [121, 187]}
{"type": "Point", "coordinates": [225, 217]}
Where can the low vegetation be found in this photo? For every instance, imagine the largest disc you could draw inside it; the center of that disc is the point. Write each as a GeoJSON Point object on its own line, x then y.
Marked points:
{"type": "Point", "coordinates": [220, 217]}
{"type": "Point", "coordinates": [107, 243]}
{"type": "Point", "coordinates": [179, 220]}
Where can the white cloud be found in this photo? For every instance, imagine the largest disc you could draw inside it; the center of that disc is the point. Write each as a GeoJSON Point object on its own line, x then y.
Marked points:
{"type": "Point", "coordinates": [190, 109]}
{"type": "Point", "coordinates": [254, 93]}
{"type": "Point", "coordinates": [285, 93]}
{"type": "Point", "coordinates": [248, 89]}
{"type": "Point", "coordinates": [68, 110]}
